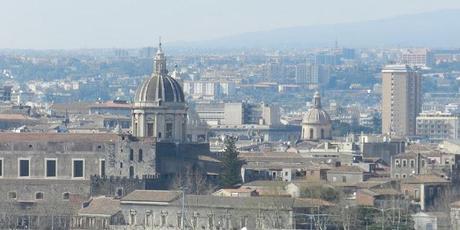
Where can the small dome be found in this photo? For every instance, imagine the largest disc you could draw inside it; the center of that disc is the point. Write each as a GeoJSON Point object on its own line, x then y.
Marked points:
{"type": "Point", "coordinates": [176, 74]}
{"type": "Point", "coordinates": [159, 87]}
{"type": "Point", "coordinates": [316, 115]}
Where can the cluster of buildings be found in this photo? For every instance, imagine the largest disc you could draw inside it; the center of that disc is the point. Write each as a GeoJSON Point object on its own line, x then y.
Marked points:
{"type": "Point", "coordinates": [153, 161]}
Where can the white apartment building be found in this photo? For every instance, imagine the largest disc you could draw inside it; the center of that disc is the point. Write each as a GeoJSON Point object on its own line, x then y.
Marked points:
{"type": "Point", "coordinates": [438, 126]}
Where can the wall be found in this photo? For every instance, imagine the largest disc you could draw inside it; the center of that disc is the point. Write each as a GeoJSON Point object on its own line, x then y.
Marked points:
{"type": "Point", "coordinates": [233, 114]}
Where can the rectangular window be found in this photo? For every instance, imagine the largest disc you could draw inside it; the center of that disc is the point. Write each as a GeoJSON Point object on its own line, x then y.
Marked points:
{"type": "Point", "coordinates": [102, 168]}
{"type": "Point", "coordinates": [78, 168]}
{"type": "Point", "coordinates": [150, 130]}
{"type": "Point", "coordinates": [50, 167]}
{"type": "Point", "coordinates": [169, 130]}
{"type": "Point", "coordinates": [24, 167]}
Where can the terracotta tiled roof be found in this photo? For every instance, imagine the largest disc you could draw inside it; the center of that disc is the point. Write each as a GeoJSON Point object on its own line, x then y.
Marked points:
{"type": "Point", "coordinates": [266, 183]}
{"type": "Point", "coordinates": [111, 104]}
{"type": "Point", "coordinates": [152, 196]}
{"type": "Point", "coordinates": [347, 169]}
{"type": "Point", "coordinates": [381, 191]}
{"type": "Point", "coordinates": [13, 117]}
{"type": "Point", "coordinates": [237, 190]}
{"type": "Point", "coordinates": [75, 107]}
{"type": "Point", "coordinates": [104, 206]}
{"type": "Point", "coordinates": [370, 184]}
{"type": "Point", "coordinates": [58, 137]}
{"type": "Point", "coordinates": [311, 202]}
{"type": "Point", "coordinates": [257, 202]}
{"type": "Point", "coordinates": [424, 179]}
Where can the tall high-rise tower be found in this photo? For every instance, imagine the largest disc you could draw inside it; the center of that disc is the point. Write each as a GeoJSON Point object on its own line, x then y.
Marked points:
{"type": "Point", "coordinates": [401, 100]}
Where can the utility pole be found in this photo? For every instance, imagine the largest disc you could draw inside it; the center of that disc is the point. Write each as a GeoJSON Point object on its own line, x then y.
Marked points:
{"type": "Point", "coordinates": [182, 217]}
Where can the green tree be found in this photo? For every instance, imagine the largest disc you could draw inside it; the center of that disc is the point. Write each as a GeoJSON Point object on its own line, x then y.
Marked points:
{"type": "Point", "coordinates": [231, 173]}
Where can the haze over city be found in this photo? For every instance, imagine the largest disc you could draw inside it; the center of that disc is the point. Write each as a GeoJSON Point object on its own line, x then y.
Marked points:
{"type": "Point", "coordinates": [54, 24]}
{"type": "Point", "coordinates": [230, 115]}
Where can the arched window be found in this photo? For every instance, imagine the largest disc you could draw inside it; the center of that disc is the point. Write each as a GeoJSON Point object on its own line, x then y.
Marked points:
{"type": "Point", "coordinates": [322, 133]}
{"type": "Point", "coordinates": [131, 154]}
{"type": "Point", "coordinates": [311, 133]}
{"type": "Point", "coordinates": [140, 157]}
{"type": "Point", "coordinates": [131, 171]}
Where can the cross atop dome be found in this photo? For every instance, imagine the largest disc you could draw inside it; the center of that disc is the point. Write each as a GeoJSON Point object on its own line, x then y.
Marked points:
{"type": "Point", "coordinates": [160, 50]}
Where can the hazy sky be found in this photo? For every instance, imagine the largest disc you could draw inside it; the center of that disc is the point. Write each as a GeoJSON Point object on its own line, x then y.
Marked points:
{"type": "Point", "coordinates": [50, 24]}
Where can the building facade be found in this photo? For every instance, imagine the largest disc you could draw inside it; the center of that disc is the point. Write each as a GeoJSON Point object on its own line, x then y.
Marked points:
{"type": "Point", "coordinates": [401, 100]}
{"type": "Point", "coordinates": [238, 113]}
{"type": "Point", "coordinates": [45, 176]}
{"type": "Point", "coordinates": [154, 209]}
{"type": "Point", "coordinates": [417, 57]}
{"type": "Point", "coordinates": [437, 126]}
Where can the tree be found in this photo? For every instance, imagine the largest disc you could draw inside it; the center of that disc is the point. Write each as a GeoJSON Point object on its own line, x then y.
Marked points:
{"type": "Point", "coordinates": [231, 173]}
{"type": "Point", "coordinates": [193, 179]}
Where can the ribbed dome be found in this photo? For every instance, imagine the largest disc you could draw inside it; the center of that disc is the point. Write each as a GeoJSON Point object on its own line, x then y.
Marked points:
{"type": "Point", "coordinates": [316, 115]}
{"type": "Point", "coordinates": [159, 87]}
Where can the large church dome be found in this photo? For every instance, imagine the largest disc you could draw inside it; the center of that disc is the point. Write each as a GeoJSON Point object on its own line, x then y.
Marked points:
{"type": "Point", "coordinates": [159, 88]}
{"type": "Point", "coordinates": [159, 109]}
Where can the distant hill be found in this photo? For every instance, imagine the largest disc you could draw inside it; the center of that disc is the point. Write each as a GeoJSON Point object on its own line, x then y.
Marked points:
{"type": "Point", "coordinates": [439, 29]}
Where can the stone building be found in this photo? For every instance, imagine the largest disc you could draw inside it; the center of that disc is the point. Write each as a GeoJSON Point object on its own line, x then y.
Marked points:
{"type": "Point", "coordinates": [155, 209]}
{"type": "Point", "coordinates": [51, 173]}
{"type": "Point", "coordinates": [346, 175]}
{"type": "Point", "coordinates": [316, 124]}
{"type": "Point", "coordinates": [419, 160]}
{"type": "Point", "coordinates": [425, 191]}
{"type": "Point", "coordinates": [407, 164]}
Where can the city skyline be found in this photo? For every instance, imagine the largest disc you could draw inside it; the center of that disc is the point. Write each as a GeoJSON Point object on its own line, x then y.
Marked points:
{"type": "Point", "coordinates": [219, 115]}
